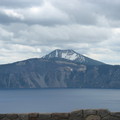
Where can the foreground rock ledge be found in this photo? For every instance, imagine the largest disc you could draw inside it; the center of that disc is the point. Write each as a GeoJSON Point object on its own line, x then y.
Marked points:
{"type": "Point", "coordinates": [88, 114]}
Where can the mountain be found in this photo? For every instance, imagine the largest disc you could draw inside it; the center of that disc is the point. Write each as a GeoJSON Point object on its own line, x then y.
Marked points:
{"type": "Point", "coordinates": [73, 56]}
{"type": "Point", "coordinates": [60, 69]}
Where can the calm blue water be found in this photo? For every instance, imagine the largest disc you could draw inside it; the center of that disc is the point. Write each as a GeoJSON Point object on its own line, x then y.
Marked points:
{"type": "Point", "coordinates": [57, 100]}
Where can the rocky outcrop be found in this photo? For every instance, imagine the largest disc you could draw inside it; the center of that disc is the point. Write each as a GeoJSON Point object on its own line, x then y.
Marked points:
{"type": "Point", "coordinates": [88, 114]}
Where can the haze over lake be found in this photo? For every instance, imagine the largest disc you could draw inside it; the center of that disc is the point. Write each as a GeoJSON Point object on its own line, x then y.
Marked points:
{"type": "Point", "coordinates": [57, 100]}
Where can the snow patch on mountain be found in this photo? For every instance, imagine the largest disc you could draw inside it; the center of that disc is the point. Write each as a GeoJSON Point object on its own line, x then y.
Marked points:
{"type": "Point", "coordinates": [73, 56]}
{"type": "Point", "coordinates": [66, 54]}
{"type": "Point", "coordinates": [69, 56]}
{"type": "Point", "coordinates": [56, 53]}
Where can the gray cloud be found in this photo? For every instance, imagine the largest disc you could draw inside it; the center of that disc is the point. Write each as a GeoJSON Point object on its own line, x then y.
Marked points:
{"type": "Point", "coordinates": [20, 3]}
{"type": "Point", "coordinates": [4, 19]}
{"type": "Point", "coordinates": [53, 35]}
{"type": "Point", "coordinates": [33, 28]}
{"type": "Point", "coordinates": [45, 14]}
{"type": "Point", "coordinates": [52, 12]}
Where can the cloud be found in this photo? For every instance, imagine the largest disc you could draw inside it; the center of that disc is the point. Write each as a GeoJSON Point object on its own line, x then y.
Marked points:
{"type": "Point", "coordinates": [90, 27]}
{"type": "Point", "coordinates": [57, 35]}
{"type": "Point", "coordinates": [47, 14]}
{"type": "Point", "coordinates": [39, 40]}
{"type": "Point", "coordinates": [52, 12]}
{"type": "Point", "coordinates": [19, 3]}
{"type": "Point", "coordinates": [5, 35]}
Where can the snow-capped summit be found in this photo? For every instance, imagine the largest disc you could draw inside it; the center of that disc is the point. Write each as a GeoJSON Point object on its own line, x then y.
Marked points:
{"type": "Point", "coordinates": [71, 55]}
{"type": "Point", "coordinates": [66, 54]}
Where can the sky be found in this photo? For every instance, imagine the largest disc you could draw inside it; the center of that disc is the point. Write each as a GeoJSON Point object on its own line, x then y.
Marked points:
{"type": "Point", "coordinates": [34, 28]}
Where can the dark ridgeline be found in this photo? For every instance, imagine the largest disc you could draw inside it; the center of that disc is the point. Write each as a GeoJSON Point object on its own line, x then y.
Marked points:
{"type": "Point", "coordinates": [60, 69]}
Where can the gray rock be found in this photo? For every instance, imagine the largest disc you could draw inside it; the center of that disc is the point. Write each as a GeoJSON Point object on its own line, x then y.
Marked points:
{"type": "Point", "coordinates": [116, 114]}
{"type": "Point", "coordinates": [23, 116]}
{"type": "Point", "coordinates": [44, 116]}
{"type": "Point", "coordinates": [76, 115]}
{"type": "Point", "coordinates": [2, 115]}
{"type": "Point", "coordinates": [12, 116]}
{"type": "Point", "coordinates": [110, 118]}
{"type": "Point", "coordinates": [89, 112]}
{"type": "Point", "coordinates": [60, 116]}
{"type": "Point", "coordinates": [103, 112]}
{"type": "Point", "coordinates": [5, 118]}
{"type": "Point", "coordinates": [33, 115]}
{"type": "Point", "coordinates": [93, 117]}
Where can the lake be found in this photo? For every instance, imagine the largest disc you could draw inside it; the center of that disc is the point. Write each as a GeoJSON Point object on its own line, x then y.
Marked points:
{"type": "Point", "coordinates": [57, 100]}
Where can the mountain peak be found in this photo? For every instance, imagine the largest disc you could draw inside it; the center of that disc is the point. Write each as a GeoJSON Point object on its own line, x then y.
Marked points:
{"type": "Point", "coordinates": [66, 54]}
{"type": "Point", "coordinates": [70, 54]}
{"type": "Point", "coordinates": [69, 51]}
